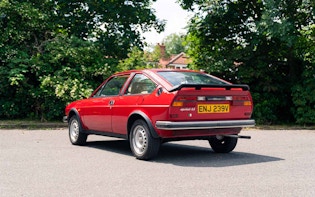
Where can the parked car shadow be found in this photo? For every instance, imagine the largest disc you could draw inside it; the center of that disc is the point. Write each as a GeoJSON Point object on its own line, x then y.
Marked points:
{"type": "Point", "coordinates": [197, 156]}
{"type": "Point", "coordinates": [116, 146]}
{"type": "Point", "coordinates": [188, 155]}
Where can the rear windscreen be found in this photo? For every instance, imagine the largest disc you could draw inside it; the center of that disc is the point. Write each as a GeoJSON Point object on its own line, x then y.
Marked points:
{"type": "Point", "coordinates": [176, 78]}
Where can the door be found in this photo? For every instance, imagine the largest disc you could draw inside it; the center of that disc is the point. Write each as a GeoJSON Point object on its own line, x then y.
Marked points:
{"type": "Point", "coordinates": [97, 114]}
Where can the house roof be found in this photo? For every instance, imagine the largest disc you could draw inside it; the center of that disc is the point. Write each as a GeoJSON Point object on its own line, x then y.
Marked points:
{"type": "Point", "coordinates": [179, 59]}
{"type": "Point", "coordinates": [176, 60]}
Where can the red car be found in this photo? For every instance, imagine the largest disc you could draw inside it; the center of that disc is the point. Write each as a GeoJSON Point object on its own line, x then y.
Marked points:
{"type": "Point", "coordinates": [153, 106]}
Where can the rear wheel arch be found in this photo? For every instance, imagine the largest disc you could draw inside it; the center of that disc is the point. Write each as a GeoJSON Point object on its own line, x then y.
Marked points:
{"type": "Point", "coordinates": [142, 144]}
{"type": "Point", "coordinates": [140, 115]}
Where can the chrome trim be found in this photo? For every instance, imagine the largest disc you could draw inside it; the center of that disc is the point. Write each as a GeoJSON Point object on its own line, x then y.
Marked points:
{"type": "Point", "coordinates": [169, 125]}
{"type": "Point", "coordinates": [219, 98]}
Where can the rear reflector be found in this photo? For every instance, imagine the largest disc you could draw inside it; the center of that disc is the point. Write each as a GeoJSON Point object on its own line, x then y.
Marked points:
{"type": "Point", "coordinates": [174, 115]}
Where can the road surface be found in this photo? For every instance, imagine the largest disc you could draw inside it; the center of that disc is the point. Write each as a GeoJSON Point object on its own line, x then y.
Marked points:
{"type": "Point", "coordinates": [44, 163]}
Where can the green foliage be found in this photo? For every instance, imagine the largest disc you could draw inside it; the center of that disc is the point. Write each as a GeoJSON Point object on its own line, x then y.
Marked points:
{"type": "Point", "coordinates": [304, 100]}
{"type": "Point", "coordinates": [174, 43]}
{"type": "Point", "coordinates": [137, 59]}
{"type": "Point", "coordinates": [303, 92]}
{"type": "Point", "coordinates": [263, 43]}
{"type": "Point", "coordinates": [116, 24]}
{"type": "Point", "coordinates": [54, 52]}
{"type": "Point", "coordinates": [156, 53]}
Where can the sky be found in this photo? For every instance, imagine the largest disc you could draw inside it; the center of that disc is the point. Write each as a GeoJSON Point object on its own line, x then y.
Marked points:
{"type": "Point", "coordinates": [176, 20]}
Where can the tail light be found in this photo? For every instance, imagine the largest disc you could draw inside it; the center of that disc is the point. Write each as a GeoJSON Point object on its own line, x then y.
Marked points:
{"type": "Point", "coordinates": [190, 101]}
{"type": "Point", "coordinates": [241, 101]}
{"type": "Point", "coordinates": [184, 101]}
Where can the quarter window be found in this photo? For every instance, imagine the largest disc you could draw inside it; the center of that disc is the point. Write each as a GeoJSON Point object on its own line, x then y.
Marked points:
{"type": "Point", "coordinates": [141, 84]}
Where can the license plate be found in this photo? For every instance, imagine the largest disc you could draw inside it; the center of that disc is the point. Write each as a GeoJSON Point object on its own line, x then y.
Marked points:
{"type": "Point", "coordinates": [213, 108]}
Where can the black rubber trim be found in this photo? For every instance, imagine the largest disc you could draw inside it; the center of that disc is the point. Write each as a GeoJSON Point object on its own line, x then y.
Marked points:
{"type": "Point", "coordinates": [148, 121]}
{"type": "Point", "coordinates": [199, 86]}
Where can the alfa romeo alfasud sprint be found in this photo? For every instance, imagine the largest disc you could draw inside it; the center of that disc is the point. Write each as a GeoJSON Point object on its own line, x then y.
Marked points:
{"type": "Point", "coordinates": [153, 106]}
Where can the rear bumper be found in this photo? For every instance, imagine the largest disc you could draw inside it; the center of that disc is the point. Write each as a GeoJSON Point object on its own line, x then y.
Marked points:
{"type": "Point", "coordinates": [169, 125]}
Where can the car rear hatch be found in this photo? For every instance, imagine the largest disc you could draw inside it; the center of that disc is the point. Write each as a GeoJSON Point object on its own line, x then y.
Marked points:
{"type": "Point", "coordinates": [203, 102]}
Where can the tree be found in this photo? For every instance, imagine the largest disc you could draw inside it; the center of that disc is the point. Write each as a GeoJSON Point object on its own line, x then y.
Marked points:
{"type": "Point", "coordinates": [174, 43]}
{"type": "Point", "coordinates": [303, 92]}
{"type": "Point", "coordinates": [137, 59]}
{"type": "Point", "coordinates": [254, 42]}
{"type": "Point", "coordinates": [156, 53]}
{"type": "Point", "coordinates": [53, 52]}
{"type": "Point", "coordinates": [116, 24]}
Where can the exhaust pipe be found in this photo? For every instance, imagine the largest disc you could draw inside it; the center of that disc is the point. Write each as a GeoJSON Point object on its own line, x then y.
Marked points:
{"type": "Point", "coordinates": [238, 136]}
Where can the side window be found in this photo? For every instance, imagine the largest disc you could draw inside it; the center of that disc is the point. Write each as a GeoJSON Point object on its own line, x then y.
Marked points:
{"type": "Point", "coordinates": [140, 84]}
{"type": "Point", "coordinates": [113, 86]}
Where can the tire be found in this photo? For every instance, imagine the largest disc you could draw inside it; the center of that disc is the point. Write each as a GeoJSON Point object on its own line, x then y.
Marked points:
{"type": "Point", "coordinates": [221, 144]}
{"type": "Point", "coordinates": [76, 135]}
{"type": "Point", "coordinates": [142, 144]}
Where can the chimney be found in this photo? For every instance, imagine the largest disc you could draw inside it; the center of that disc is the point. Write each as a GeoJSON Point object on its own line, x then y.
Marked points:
{"type": "Point", "coordinates": [163, 60]}
{"type": "Point", "coordinates": [162, 50]}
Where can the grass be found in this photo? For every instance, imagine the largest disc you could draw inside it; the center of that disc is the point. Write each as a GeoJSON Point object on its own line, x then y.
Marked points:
{"type": "Point", "coordinates": [31, 124]}
{"type": "Point", "coordinates": [286, 127]}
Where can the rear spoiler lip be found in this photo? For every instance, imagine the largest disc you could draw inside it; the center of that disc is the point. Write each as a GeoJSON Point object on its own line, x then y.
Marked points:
{"type": "Point", "coordinates": [199, 86]}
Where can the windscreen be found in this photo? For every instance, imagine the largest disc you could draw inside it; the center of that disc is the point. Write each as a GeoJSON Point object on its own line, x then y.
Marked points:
{"type": "Point", "coordinates": [177, 78]}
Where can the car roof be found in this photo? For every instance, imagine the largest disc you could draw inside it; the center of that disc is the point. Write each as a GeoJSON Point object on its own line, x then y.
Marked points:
{"type": "Point", "coordinates": [155, 70]}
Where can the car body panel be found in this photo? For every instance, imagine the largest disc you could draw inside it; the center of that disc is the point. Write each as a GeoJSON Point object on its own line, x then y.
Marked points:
{"type": "Point", "coordinates": [96, 114]}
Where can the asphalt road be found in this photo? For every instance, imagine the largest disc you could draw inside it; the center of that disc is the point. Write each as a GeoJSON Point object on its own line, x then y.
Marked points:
{"type": "Point", "coordinates": [44, 163]}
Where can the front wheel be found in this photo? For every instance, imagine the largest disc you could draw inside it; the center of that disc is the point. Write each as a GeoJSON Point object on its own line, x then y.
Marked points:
{"type": "Point", "coordinates": [76, 135]}
{"type": "Point", "coordinates": [142, 144]}
{"type": "Point", "coordinates": [221, 144]}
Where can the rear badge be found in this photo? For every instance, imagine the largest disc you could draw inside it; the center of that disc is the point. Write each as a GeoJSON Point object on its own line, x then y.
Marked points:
{"type": "Point", "coordinates": [188, 109]}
